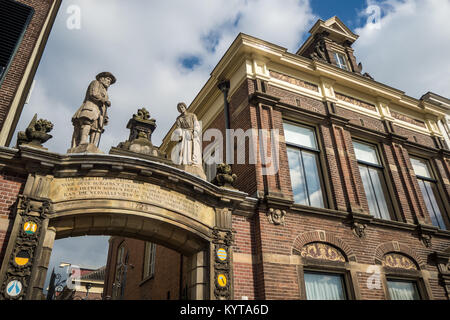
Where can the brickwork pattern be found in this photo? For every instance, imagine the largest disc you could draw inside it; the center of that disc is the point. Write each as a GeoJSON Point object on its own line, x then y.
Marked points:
{"type": "Point", "coordinates": [10, 187]}
{"type": "Point", "coordinates": [19, 63]}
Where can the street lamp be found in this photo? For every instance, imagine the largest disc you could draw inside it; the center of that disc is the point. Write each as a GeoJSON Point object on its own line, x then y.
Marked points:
{"type": "Point", "coordinates": [88, 286]}
{"type": "Point", "coordinates": [64, 264]}
{"type": "Point", "coordinates": [55, 283]}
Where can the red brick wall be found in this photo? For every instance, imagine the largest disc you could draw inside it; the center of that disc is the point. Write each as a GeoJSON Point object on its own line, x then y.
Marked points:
{"type": "Point", "coordinates": [19, 63]}
{"type": "Point", "coordinates": [167, 271]}
{"type": "Point", "coordinates": [10, 187]}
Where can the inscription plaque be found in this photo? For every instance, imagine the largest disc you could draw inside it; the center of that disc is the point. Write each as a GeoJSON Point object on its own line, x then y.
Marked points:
{"type": "Point", "coordinates": [141, 195]}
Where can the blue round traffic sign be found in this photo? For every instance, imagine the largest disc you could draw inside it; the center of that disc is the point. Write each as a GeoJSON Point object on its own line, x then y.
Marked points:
{"type": "Point", "coordinates": [14, 288]}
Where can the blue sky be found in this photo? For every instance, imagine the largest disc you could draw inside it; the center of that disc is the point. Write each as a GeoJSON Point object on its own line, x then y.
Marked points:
{"type": "Point", "coordinates": [347, 10]}
{"type": "Point", "coordinates": [162, 52]}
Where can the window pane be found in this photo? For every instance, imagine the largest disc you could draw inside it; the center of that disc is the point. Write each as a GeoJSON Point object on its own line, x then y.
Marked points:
{"type": "Point", "coordinates": [420, 168]}
{"type": "Point", "coordinates": [428, 191]}
{"type": "Point", "coordinates": [365, 152]}
{"type": "Point", "coordinates": [297, 176]}
{"type": "Point", "coordinates": [376, 177]}
{"type": "Point", "coordinates": [340, 61]}
{"type": "Point", "coordinates": [300, 135]}
{"type": "Point", "coordinates": [313, 179]}
{"type": "Point", "coordinates": [403, 290]}
{"type": "Point", "coordinates": [370, 193]}
{"type": "Point", "coordinates": [324, 287]}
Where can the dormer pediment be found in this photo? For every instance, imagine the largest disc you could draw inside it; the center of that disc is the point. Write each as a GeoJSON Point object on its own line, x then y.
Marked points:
{"type": "Point", "coordinates": [336, 25]}
{"type": "Point", "coordinates": [335, 29]}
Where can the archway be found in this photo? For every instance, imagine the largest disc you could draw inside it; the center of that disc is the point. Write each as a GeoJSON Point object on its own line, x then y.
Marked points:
{"type": "Point", "coordinates": [95, 194]}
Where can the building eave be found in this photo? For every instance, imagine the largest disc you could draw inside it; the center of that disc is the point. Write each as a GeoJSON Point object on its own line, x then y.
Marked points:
{"type": "Point", "coordinates": [251, 46]}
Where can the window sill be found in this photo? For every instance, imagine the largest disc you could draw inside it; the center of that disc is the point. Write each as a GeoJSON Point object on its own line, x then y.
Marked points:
{"type": "Point", "coordinates": [442, 232]}
{"type": "Point", "coordinates": [146, 280]}
{"type": "Point", "coordinates": [343, 215]}
{"type": "Point", "coordinates": [321, 211]}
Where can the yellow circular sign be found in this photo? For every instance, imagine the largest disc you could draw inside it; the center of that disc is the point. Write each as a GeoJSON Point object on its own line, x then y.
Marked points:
{"type": "Point", "coordinates": [222, 254]}
{"type": "Point", "coordinates": [22, 258]}
{"type": "Point", "coordinates": [222, 280]}
{"type": "Point", "coordinates": [30, 227]}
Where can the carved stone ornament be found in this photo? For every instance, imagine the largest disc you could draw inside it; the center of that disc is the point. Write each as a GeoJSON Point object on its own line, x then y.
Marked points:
{"type": "Point", "coordinates": [359, 229]}
{"type": "Point", "coordinates": [276, 216]}
{"type": "Point", "coordinates": [426, 240]}
{"type": "Point", "coordinates": [36, 133]}
{"type": "Point", "coordinates": [319, 250]}
{"type": "Point", "coordinates": [222, 240]}
{"type": "Point", "coordinates": [425, 232]}
{"type": "Point", "coordinates": [367, 75]}
{"type": "Point", "coordinates": [224, 177]}
{"type": "Point", "coordinates": [18, 272]}
{"type": "Point", "coordinates": [140, 140]}
{"type": "Point", "coordinates": [319, 48]}
{"type": "Point", "coordinates": [400, 261]}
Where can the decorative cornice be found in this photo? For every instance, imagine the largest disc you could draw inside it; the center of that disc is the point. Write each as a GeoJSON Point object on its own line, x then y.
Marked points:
{"type": "Point", "coordinates": [35, 160]}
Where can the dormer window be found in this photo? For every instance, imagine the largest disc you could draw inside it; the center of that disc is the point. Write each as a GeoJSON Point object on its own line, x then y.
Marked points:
{"type": "Point", "coordinates": [340, 61]}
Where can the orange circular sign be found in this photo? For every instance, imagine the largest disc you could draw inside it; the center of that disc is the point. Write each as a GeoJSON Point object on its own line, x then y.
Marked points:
{"type": "Point", "coordinates": [30, 227]}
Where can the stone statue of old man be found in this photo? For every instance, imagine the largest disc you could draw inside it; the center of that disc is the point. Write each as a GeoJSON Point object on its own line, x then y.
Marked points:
{"type": "Point", "coordinates": [91, 117]}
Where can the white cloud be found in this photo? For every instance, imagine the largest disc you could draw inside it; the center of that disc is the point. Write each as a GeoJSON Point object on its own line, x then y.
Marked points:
{"type": "Point", "coordinates": [410, 49]}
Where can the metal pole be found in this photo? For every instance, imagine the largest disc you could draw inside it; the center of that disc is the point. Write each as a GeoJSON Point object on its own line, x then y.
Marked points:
{"type": "Point", "coordinates": [224, 86]}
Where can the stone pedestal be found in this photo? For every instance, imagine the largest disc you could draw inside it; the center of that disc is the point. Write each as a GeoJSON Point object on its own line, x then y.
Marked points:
{"type": "Point", "coordinates": [85, 148]}
{"type": "Point", "coordinates": [193, 169]}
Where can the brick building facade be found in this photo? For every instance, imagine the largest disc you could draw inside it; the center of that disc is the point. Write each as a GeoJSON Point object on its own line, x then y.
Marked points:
{"type": "Point", "coordinates": [360, 203]}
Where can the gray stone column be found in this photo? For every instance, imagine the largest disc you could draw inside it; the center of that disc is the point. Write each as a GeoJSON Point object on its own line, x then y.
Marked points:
{"type": "Point", "coordinates": [198, 276]}
{"type": "Point", "coordinates": [40, 267]}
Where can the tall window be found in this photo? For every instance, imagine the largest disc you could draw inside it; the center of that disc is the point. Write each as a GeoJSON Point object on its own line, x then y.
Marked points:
{"type": "Point", "coordinates": [149, 260]}
{"type": "Point", "coordinates": [403, 290]}
{"type": "Point", "coordinates": [303, 158]}
{"type": "Point", "coordinates": [120, 274]}
{"type": "Point", "coordinates": [324, 286]}
{"type": "Point", "coordinates": [429, 190]}
{"type": "Point", "coordinates": [373, 180]}
{"type": "Point", "coordinates": [340, 61]}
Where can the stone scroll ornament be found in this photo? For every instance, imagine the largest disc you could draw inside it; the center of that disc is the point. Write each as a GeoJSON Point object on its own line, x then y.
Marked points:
{"type": "Point", "coordinates": [91, 118]}
{"type": "Point", "coordinates": [222, 240]}
{"type": "Point", "coordinates": [18, 272]}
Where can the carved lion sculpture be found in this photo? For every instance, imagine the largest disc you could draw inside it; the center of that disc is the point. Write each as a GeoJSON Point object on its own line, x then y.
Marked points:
{"type": "Point", "coordinates": [224, 177]}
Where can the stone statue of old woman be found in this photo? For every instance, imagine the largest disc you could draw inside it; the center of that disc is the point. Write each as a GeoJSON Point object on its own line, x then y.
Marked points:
{"type": "Point", "coordinates": [188, 136]}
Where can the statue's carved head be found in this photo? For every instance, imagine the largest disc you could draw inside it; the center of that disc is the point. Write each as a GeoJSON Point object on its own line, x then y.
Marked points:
{"type": "Point", "coordinates": [224, 168]}
{"type": "Point", "coordinates": [43, 125]}
{"type": "Point", "coordinates": [107, 78]}
{"type": "Point", "coordinates": [181, 107]}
